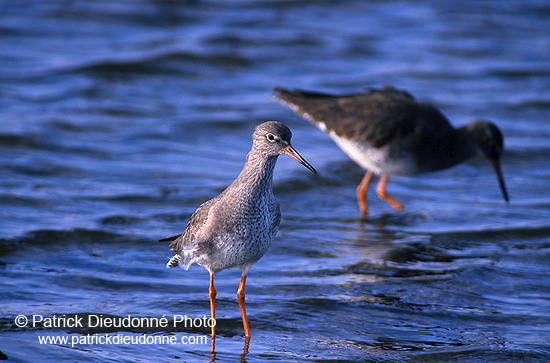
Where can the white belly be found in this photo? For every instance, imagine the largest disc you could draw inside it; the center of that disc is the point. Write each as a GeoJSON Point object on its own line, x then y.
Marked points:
{"type": "Point", "coordinates": [376, 160]}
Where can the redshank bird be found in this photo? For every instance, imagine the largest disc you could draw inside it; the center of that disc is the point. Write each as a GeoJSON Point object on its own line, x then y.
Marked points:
{"type": "Point", "coordinates": [387, 132]}
{"type": "Point", "coordinates": [235, 228]}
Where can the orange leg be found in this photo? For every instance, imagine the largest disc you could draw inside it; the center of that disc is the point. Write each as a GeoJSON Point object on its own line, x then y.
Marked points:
{"type": "Point", "coordinates": [362, 193]}
{"type": "Point", "coordinates": [240, 297]}
{"type": "Point", "coordinates": [381, 191]}
{"type": "Point", "coordinates": [212, 291]}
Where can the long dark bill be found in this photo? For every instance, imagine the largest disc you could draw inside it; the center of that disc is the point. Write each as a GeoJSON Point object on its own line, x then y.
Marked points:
{"type": "Point", "coordinates": [495, 163]}
{"type": "Point", "coordinates": [289, 150]}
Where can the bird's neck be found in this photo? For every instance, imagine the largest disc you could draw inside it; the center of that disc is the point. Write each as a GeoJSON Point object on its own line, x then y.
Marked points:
{"type": "Point", "coordinates": [257, 172]}
{"type": "Point", "coordinates": [446, 152]}
{"type": "Point", "coordinates": [465, 145]}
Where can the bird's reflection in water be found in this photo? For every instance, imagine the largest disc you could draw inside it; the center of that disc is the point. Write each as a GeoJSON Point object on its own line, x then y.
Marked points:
{"type": "Point", "coordinates": [392, 218]}
{"type": "Point", "coordinates": [242, 357]}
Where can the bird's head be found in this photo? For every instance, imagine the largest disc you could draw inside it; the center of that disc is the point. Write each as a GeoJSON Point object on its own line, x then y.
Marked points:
{"type": "Point", "coordinates": [489, 141]}
{"type": "Point", "coordinates": [272, 138]}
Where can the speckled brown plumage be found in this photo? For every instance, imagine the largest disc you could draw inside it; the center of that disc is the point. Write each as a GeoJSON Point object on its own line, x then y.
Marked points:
{"type": "Point", "coordinates": [235, 228]}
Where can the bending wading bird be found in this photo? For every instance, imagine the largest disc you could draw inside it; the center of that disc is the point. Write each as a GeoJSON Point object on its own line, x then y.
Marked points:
{"type": "Point", "coordinates": [387, 132]}
{"type": "Point", "coordinates": [235, 228]}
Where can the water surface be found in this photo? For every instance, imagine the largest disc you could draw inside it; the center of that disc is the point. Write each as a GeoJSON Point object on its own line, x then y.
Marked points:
{"type": "Point", "coordinates": [117, 120]}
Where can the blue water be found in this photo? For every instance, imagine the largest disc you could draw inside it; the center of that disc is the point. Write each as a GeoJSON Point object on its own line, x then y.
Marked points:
{"type": "Point", "coordinates": [117, 119]}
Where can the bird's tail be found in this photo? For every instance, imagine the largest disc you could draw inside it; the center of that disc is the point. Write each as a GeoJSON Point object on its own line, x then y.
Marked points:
{"type": "Point", "coordinates": [174, 261]}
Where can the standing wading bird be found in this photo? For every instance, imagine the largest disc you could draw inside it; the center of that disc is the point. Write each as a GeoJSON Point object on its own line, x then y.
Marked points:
{"type": "Point", "coordinates": [235, 228]}
{"type": "Point", "coordinates": [387, 132]}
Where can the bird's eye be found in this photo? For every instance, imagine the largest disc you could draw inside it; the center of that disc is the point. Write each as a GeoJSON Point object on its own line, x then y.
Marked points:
{"type": "Point", "coordinates": [270, 137]}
